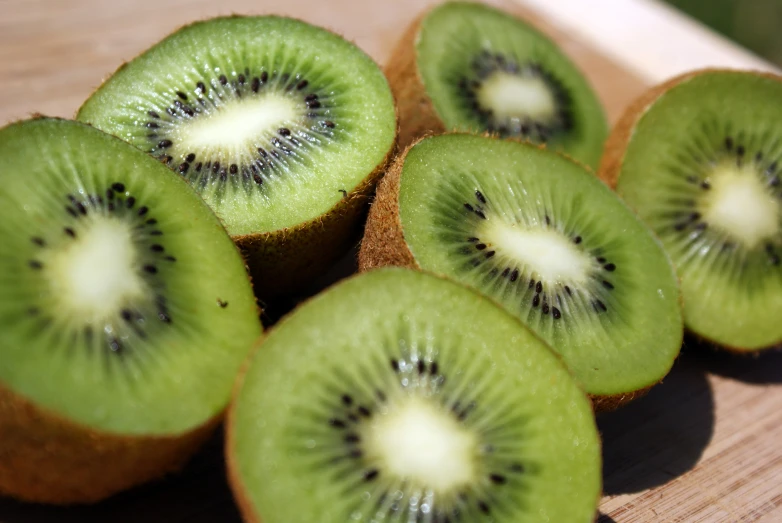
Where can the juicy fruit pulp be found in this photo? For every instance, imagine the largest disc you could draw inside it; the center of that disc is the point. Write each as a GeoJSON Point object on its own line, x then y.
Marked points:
{"type": "Point", "coordinates": [487, 71]}
{"type": "Point", "coordinates": [431, 405]}
{"type": "Point", "coordinates": [548, 241]}
{"type": "Point", "coordinates": [702, 169]}
{"type": "Point", "coordinates": [112, 276]}
{"type": "Point", "coordinates": [270, 119]}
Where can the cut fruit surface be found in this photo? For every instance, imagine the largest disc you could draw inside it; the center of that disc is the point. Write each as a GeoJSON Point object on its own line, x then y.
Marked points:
{"type": "Point", "coordinates": [479, 69]}
{"type": "Point", "coordinates": [544, 238]}
{"type": "Point", "coordinates": [700, 163]}
{"type": "Point", "coordinates": [111, 271]}
{"type": "Point", "coordinates": [267, 128]}
{"type": "Point", "coordinates": [282, 128]}
{"type": "Point", "coordinates": [433, 404]}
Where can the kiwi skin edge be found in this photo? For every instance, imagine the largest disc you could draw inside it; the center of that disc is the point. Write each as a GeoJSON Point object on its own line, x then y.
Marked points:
{"type": "Point", "coordinates": [616, 144]}
{"type": "Point", "coordinates": [286, 260]}
{"type": "Point", "coordinates": [384, 244]}
{"type": "Point", "coordinates": [417, 115]}
{"type": "Point", "coordinates": [45, 458]}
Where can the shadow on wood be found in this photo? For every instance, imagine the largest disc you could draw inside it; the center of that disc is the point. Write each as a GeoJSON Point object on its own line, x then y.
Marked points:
{"type": "Point", "coordinates": [760, 368]}
{"type": "Point", "coordinates": [658, 437]}
{"type": "Point", "coordinates": [604, 518]}
{"type": "Point", "coordinates": [199, 494]}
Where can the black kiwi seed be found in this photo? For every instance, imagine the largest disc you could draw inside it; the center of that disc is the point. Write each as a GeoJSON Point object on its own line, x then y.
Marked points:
{"type": "Point", "coordinates": [498, 479]}
{"type": "Point", "coordinates": [70, 232]}
{"type": "Point", "coordinates": [337, 423]}
{"type": "Point", "coordinates": [371, 474]}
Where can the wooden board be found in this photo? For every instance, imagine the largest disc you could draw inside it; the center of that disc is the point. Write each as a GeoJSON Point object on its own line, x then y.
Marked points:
{"type": "Point", "coordinates": [705, 446]}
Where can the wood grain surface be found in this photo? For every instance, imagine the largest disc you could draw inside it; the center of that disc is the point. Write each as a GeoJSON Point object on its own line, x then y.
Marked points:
{"type": "Point", "coordinates": [704, 446]}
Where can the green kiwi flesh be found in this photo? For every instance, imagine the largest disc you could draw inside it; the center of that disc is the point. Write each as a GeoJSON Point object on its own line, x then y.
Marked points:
{"type": "Point", "coordinates": [702, 168]}
{"type": "Point", "coordinates": [552, 244]}
{"type": "Point", "coordinates": [124, 306]}
{"type": "Point", "coordinates": [486, 70]}
{"type": "Point", "coordinates": [399, 396]}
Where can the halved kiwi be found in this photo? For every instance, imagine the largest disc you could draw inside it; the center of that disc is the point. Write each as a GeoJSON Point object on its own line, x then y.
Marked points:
{"type": "Point", "coordinates": [470, 67]}
{"type": "Point", "coordinates": [700, 158]}
{"type": "Point", "coordinates": [430, 404]}
{"type": "Point", "coordinates": [125, 314]}
{"type": "Point", "coordinates": [282, 127]}
{"type": "Point", "coordinates": [548, 241]}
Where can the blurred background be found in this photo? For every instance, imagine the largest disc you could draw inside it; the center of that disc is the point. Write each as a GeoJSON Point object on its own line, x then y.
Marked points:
{"type": "Point", "coordinates": [753, 24]}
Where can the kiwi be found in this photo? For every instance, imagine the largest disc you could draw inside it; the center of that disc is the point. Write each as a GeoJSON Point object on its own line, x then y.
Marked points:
{"type": "Point", "coordinates": [282, 127]}
{"type": "Point", "coordinates": [125, 314]}
{"type": "Point", "coordinates": [546, 239]}
{"type": "Point", "coordinates": [433, 404]}
{"type": "Point", "coordinates": [470, 67]}
{"type": "Point", "coordinates": [699, 158]}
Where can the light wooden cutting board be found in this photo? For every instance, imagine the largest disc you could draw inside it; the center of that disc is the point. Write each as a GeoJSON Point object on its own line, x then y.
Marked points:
{"type": "Point", "coordinates": [705, 446]}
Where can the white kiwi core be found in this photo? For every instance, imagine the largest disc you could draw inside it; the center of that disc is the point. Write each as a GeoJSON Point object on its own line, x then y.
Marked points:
{"type": "Point", "coordinates": [547, 252]}
{"type": "Point", "coordinates": [740, 205]}
{"type": "Point", "coordinates": [234, 127]}
{"type": "Point", "coordinates": [96, 273]}
{"type": "Point", "coordinates": [512, 96]}
{"type": "Point", "coordinates": [420, 442]}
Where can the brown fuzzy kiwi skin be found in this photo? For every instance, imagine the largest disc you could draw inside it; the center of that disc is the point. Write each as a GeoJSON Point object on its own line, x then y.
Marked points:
{"type": "Point", "coordinates": [417, 115]}
{"type": "Point", "coordinates": [384, 244]}
{"type": "Point", "coordinates": [45, 458]}
{"type": "Point", "coordinates": [232, 467]}
{"type": "Point", "coordinates": [285, 261]}
{"type": "Point", "coordinates": [614, 151]}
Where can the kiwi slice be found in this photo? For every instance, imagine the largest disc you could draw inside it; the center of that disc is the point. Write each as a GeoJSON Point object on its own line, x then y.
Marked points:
{"type": "Point", "coordinates": [282, 127]}
{"type": "Point", "coordinates": [548, 241]}
{"type": "Point", "coordinates": [700, 159]}
{"type": "Point", "coordinates": [431, 405]}
{"type": "Point", "coordinates": [470, 67]}
{"type": "Point", "coordinates": [125, 314]}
